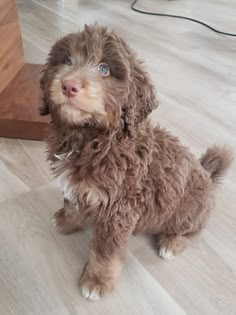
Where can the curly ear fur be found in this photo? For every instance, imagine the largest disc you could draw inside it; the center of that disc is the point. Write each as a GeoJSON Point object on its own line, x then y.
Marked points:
{"type": "Point", "coordinates": [146, 100]}
{"type": "Point", "coordinates": [44, 109]}
{"type": "Point", "coordinates": [142, 99]}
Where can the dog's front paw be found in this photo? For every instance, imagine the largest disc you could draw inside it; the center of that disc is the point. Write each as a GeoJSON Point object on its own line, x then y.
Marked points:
{"type": "Point", "coordinates": [65, 221]}
{"type": "Point", "coordinates": [92, 291]}
{"type": "Point", "coordinates": [93, 288]}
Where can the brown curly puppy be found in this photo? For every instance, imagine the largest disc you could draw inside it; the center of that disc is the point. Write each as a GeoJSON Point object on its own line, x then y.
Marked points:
{"type": "Point", "coordinates": [117, 172]}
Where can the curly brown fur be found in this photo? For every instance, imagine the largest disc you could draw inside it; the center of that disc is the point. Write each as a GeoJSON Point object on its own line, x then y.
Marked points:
{"type": "Point", "coordinates": [117, 172]}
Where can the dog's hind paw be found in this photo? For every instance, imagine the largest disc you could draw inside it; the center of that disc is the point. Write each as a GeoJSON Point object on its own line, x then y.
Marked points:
{"type": "Point", "coordinates": [166, 254]}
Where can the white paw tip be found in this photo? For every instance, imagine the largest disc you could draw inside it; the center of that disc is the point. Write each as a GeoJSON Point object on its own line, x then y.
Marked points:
{"type": "Point", "coordinates": [91, 295]}
{"type": "Point", "coordinates": [54, 222]}
{"type": "Point", "coordinates": [94, 296]}
{"type": "Point", "coordinates": [166, 254]}
{"type": "Point", "coordinates": [85, 292]}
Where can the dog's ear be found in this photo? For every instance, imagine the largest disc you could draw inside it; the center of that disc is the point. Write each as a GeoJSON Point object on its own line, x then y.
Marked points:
{"type": "Point", "coordinates": [142, 99]}
{"type": "Point", "coordinates": [44, 109]}
{"type": "Point", "coordinates": [145, 96]}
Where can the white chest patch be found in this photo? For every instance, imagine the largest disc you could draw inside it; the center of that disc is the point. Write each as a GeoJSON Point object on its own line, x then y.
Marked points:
{"type": "Point", "coordinates": [69, 190]}
{"type": "Point", "coordinates": [83, 191]}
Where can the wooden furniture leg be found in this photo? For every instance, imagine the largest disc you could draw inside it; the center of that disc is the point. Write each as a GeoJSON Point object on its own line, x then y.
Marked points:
{"type": "Point", "coordinates": [20, 95]}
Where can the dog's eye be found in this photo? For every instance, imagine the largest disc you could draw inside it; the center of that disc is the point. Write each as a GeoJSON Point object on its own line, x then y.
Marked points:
{"type": "Point", "coordinates": [104, 69]}
{"type": "Point", "coordinates": [67, 61]}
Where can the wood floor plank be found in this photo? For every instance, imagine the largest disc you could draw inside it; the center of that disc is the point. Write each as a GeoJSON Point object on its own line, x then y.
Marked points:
{"type": "Point", "coordinates": [46, 265]}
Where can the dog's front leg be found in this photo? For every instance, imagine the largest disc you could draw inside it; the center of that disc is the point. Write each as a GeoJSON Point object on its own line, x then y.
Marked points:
{"type": "Point", "coordinates": [106, 257]}
{"type": "Point", "coordinates": [68, 219]}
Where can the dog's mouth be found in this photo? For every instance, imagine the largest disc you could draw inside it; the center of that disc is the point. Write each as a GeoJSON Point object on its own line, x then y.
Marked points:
{"type": "Point", "coordinates": [81, 109]}
{"type": "Point", "coordinates": [84, 105]}
{"type": "Point", "coordinates": [75, 104]}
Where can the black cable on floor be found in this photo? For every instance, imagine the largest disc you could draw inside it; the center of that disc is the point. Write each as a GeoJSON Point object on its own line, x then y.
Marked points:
{"type": "Point", "coordinates": [179, 17]}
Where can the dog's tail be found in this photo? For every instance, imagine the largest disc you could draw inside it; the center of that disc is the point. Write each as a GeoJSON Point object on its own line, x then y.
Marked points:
{"type": "Point", "coordinates": [216, 161]}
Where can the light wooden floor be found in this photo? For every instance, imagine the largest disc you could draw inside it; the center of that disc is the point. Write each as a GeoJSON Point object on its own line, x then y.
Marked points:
{"type": "Point", "coordinates": [194, 70]}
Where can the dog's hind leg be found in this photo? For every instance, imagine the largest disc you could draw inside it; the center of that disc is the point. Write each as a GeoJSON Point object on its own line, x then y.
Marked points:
{"type": "Point", "coordinates": [188, 219]}
{"type": "Point", "coordinates": [170, 245]}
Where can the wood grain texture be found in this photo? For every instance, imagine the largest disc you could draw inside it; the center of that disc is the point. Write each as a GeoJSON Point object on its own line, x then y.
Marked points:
{"type": "Point", "coordinates": [194, 71]}
{"type": "Point", "coordinates": [19, 106]}
{"type": "Point", "coordinates": [11, 49]}
{"type": "Point", "coordinates": [20, 95]}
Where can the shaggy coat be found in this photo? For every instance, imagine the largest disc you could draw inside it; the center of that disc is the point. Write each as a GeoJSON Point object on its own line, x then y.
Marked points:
{"type": "Point", "coordinates": [117, 172]}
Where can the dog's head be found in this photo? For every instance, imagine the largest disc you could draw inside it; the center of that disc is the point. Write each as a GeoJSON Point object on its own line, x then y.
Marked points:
{"type": "Point", "coordinates": [93, 77]}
